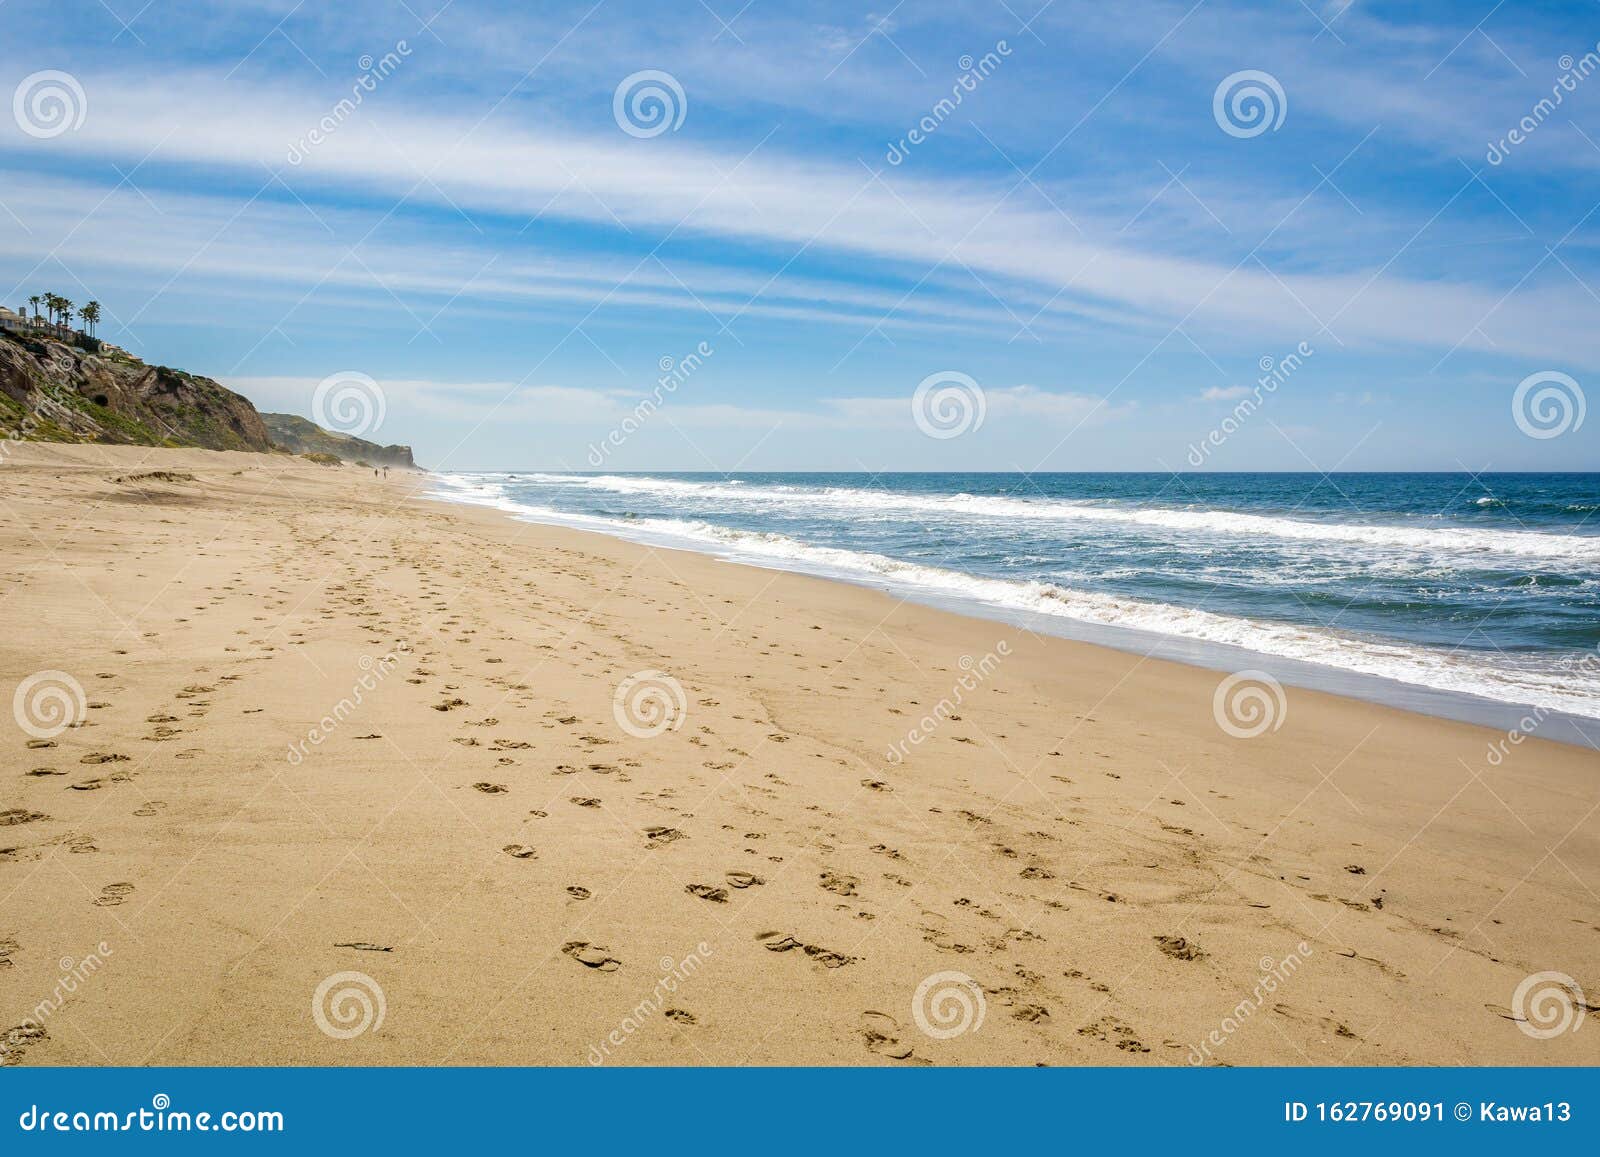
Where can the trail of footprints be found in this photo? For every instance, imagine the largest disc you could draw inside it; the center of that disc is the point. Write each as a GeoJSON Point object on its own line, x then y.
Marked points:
{"type": "Point", "coordinates": [873, 867]}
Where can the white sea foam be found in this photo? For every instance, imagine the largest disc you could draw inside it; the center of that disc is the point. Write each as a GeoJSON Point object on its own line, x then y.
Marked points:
{"type": "Point", "coordinates": [1573, 691]}
{"type": "Point", "coordinates": [1567, 549]}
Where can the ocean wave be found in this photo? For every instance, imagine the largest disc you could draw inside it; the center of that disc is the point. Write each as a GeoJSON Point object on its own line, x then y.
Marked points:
{"type": "Point", "coordinates": [1220, 524]}
{"type": "Point", "coordinates": [1554, 689]}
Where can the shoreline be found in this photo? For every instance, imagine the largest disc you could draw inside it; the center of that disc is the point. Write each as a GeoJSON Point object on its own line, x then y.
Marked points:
{"type": "Point", "coordinates": [513, 869]}
{"type": "Point", "coordinates": [1505, 715]}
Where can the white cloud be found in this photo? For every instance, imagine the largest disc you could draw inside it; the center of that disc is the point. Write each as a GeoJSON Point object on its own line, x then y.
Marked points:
{"type": "Point", "coordinates": [500, 165]}
{"type": "Point", "coordinates": [1223, 393]}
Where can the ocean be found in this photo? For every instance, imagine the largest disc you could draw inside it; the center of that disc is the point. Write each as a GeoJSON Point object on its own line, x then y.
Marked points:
{"type": "Point", "coordinates": [1471, 596]}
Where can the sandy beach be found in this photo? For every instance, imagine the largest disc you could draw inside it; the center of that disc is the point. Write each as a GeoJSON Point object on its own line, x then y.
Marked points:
{"type": "Point", "coordinates": [345, 749]}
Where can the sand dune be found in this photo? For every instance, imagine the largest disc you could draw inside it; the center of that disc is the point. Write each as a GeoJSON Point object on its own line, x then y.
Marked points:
{"type": "Point", "coordinates": [361, 778]}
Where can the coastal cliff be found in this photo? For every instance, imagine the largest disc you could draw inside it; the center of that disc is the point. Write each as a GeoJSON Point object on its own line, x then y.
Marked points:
{"type": "Point", "coordinates": [303, 436]}
{"type": "Point", "coordinates": [51, 391]}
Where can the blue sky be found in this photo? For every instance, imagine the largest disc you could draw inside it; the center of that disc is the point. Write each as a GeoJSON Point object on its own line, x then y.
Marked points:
{"type": "Point", "coordinates": [1081, 236]}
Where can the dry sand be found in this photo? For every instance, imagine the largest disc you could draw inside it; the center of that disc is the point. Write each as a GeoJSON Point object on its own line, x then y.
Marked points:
{"type": "Point", "coordinates": [526, 882]}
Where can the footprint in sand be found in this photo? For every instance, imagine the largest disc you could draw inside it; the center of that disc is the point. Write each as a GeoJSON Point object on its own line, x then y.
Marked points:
{"type": "Point", "coordinates": [743, 879]}
{"type": "Point", "coordinates": [1178, 948]}
{"type": "Point", "coordinates": [578, 892]}
{"type": "Point", "coordinates": [1112, 1031]}
{"type": "Point", "coordinates": [679, 1016]}
{"type": "Point", "coordinates": [40, 744]}
{"type": "Point", "coordinates": [103, 757]}
{"type": "Point", "coordinates": [113, 894]}
{"type": "Point", "coordinates": [19, 1039]}
{"type": "Point", "coordinates": [150, 808]}
{"type": "Point", "coordinates": [779, 942]}
{"type": "Point", "coordinates": [591, 955]}
{"type": "Point", "coordinates": [839, 884]}
{"type": "Point", "coordinates": [659, 836]}
{"type": "Point", "coordinates": [519, 851]}
{"type": "Point", "coordinates": [707, 892]}
{"type": "Point", "coordinates": [876, 785]}
{"type": "Point", "coordinates": [490, 788]}
{"type": "Point", "coordinates": [585, 801]}
{"type": "Point", "coordinates": [43, 771]}
{"type": "Point", "coordinates": [882, 1033]}
{"type": "Point", "coordinates": [19, 815]}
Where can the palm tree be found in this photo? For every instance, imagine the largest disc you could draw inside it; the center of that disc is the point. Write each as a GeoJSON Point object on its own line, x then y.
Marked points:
{"type": "Point", "coordinates": [91, 315]}
{"type": "Point", "coordinates": [66, 312]}
{"type": "Point", "coordinates": [35, 301]}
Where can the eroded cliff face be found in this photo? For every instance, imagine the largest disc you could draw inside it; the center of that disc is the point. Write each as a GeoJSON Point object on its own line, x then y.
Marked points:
{"type": "Point", "coordinates": [304, 436]}
{"type": "Point", "coordinates": [53, 392]}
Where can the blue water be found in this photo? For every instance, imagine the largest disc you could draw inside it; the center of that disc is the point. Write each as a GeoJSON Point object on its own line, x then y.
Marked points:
{"type": "Point", "coordinates": [1485, 586]}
